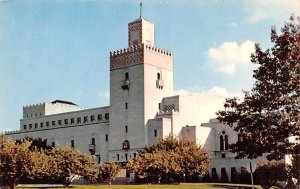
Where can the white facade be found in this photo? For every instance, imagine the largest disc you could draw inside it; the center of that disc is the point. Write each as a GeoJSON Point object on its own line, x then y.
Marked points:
{"type": "Point", "coordinates": [142, 108]}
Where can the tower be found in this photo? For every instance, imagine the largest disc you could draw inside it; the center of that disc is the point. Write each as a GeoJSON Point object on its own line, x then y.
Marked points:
{"type": "Point", "coordinates": [140, 76]}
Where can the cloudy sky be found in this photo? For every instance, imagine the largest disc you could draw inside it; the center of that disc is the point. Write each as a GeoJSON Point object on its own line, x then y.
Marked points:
{"type": "Point", "coordinates": [59, 49]}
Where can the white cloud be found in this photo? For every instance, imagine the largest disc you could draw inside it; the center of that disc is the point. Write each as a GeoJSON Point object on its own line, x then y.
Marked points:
{"type": "Point", "coordinates": [212, 100]}
{"type": "Point", "coordinates": [279, 10]}
{"type": "Point", "coordinates": [228, 55]}
{"type": "Point", "coordinates": [104, 94]}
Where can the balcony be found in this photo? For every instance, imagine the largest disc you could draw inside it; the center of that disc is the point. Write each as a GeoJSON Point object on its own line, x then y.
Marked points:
{"type": "Point", "coordinates": [92, 149]}
{"type": "Point", "coordinates": [159, 83]}
{"type": "Point", "coordinates": [125, 84]}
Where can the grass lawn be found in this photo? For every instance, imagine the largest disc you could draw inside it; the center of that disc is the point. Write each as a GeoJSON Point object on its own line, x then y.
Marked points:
{"type": "Point", "coordinates": [179, 186]}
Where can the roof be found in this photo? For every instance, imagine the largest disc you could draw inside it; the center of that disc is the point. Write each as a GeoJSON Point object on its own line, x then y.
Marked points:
{"type": "Point", "coordinates": [63, 102]}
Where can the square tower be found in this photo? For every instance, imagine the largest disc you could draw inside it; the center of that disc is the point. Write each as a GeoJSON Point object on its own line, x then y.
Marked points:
{"type": "Point", "coordinates": [140, 31]}
{"type": "Point", "coordinates": [140, 76]}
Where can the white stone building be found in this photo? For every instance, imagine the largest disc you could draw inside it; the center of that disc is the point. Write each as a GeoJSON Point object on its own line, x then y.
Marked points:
{"type": "Point", "coordinates": [142, 108]}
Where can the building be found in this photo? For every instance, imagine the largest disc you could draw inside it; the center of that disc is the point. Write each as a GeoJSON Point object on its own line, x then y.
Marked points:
{"type": "Point", "coordinates": [142, 108]}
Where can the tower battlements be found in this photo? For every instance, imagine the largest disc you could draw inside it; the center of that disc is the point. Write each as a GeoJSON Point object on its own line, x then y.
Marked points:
{"type": "Point", "coordinates": [138, 54]}
{"type": "Point", "coordinates": [137, 48]}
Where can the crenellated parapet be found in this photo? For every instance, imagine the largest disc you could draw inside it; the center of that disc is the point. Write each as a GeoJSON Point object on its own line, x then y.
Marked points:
{"type": "Point", "coordinates": [136, 55]}
{"type": "Point", "coordinates": [11, 132]}
{"type": "Point", "coordinates": [34, 105]}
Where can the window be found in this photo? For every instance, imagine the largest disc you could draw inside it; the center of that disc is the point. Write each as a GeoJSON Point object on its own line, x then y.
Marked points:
{"type": "Point", "coordinates": [99, 117]}
{"type": "Point", "coordinates": [134, 155]}
{"type": "Point", "coordinates": [126, 129]}
{"type": "Point", "coordinates": [118, 157]}
{"type": "Point", "coordinates": [226, 142]}
{"type": "Point", "coordinates": [53, 144]}
{"type": "Point", "coordinates": [106, 116]}
{"type": "Point", "coordinates": [155, 133]}
{"type": "Point", "coordinates": [79, 120]}
{"type": "Point", "coordinates": [126, 76]}
{"type": "Point", "coordinates": [126, 145]}
{"type": "Point", "coordinates": [72, 120]}
{"type": "Point", "coordinates": [93, 141]}
{"type": "Point", "coordinates": [126, 156]}
{"type": "Point", "coordinates": [41, 125]}
{"type": "Point", "coordinates": [35, 125]}
{"type": "Point", "coordinates": [126, 105]}
{"type": "Point", "coordinates": [223, 155]}
{"type": "Point", "coordinates": [25, 126]}
{"type": "Point", "coordinates": [158, 76]}
{"type": "Point", "coordinates": [53, 123]}
{"type": "Point", "coordinates": [99, 159]}
{"type": "Point", "coordinates": [106, 137]}
{"type": "Point", "coordinates": [72, 143]}
{"type": "Point", "coordinates": [30, 126]}
{"type": "Point", "coordinates": [85, 119]}
{"type": "Point", "coordinates": [158, 106]}
{"type": "Point", "coordinates": [59, 122]}
{"type": "Point", "coordinates": [223, 141]}
{"type": "Point", "coordinates": [66, 121]}
{"type": "Point", "coordinates": [47, 123]}
{"type": "Point", "coordinates": [92, 118]}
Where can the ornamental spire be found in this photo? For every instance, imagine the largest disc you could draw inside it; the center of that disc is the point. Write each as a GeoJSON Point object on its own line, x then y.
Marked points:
{"type": "Point", "coordinates": [141, 9]}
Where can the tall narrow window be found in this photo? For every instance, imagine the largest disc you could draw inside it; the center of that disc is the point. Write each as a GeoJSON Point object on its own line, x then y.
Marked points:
{"type": "Point", "coordinates": [126, 129]}
{"type": "Point", "coordinates": [221, 143]}
{"type": "Point", "coordinates": [66, 121]}
{"type": "Point", "coordinates": [93, 141]}
{"type": "Point", "coordinates": [99, 116]}
{"type": "Point", "coordinates": [41, 125]}
{"type": "Point", "coordinates": [155, 133]}
{"type": "Point", "coordinates": [53, 144]}
{"type": "Point", "coordinates": [25, 126]}
{"type": "Point", "coordinates": [47, 123]}
{"type": "Point", "coordinates": [72, 143]}
{"type": "Point", "coordinates": [106, 137]}
{"type": "Point", "coordinates": [126, 105]}
{"type": "Point", "coordinates": [79, 120]}
{"type": "Point", "coordinates": [158, 106]}
{"type": "Point", "coordinates": [92, 118]}
{"type": "Point", "coordinates": [126, 156]}
{"type": "Point", "coordinates": [99, 159]}
{"type": "Point", "coordinates": [226, 142]}
{"type": "Point", "coordinates": [118, 157]}
{"type": "Point", "coordinates": [35, 125]}
{"type": "Point", "coordinates": [158, 76]}
{"type": "Point", "coordinates": [30, 126]}
{"type": "Point", "coordinates": [126, 76]}
{"type": "Point", "coordinates": [72, 121]}
{"type": "Point", "coordinates": [59, 122]}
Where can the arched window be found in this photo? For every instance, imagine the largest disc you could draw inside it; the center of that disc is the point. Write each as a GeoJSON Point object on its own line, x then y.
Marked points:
{"type": "Point", "coordinates": [158, 76]}
{"type": "Point", "coordinates": [221, 143]}
{"type": "Point", "coordinates": [224, 145]}
{"type": "Point", "coordinates": [226, 142]}
{"type": "Point", "coordinates": [126, 76]}
{"type": "Point", "coordinates": [126, 145]}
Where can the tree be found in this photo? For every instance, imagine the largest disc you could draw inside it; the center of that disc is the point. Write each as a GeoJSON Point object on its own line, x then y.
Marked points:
{"type": "Point", "coordinates": [17, 161]}
{"type": "Point", "coordinates": [270, 172]}
{"type": "Point", "coordinates": [108, 171]}
{"type": "Point", "coordinates": [169, 161]}
{"type": "Point", "coordinates": [68, 164]}
{"type": "Point", "coordinates": [270, 113]}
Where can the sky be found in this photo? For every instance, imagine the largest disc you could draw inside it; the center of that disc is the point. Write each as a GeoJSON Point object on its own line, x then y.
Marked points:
{"type": "Point", "coordinates": [59, 49]}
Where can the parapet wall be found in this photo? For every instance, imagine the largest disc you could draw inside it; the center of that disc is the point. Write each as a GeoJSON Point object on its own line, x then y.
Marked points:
{"type": "Point", "coordinates": [140, 54]}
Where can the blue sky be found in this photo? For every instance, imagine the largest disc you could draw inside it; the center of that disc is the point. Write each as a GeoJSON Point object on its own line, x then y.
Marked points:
{"type": "Point", "coordinates": [59, 49]}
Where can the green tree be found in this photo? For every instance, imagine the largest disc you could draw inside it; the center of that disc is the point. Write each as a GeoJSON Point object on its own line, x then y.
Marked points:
{"type": "Point", "coordinates": [270, 113]}
{"type": "Point", "coordinates": [108, 171]}
{"type": "Point", "coordinates": [169, 160]}
{"type": "Point", "coordinates": [270, 172]}
{"type": "Point", "coordinates": [68, 164]}
{"type": "Point", "coordinates": [17, 162]}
